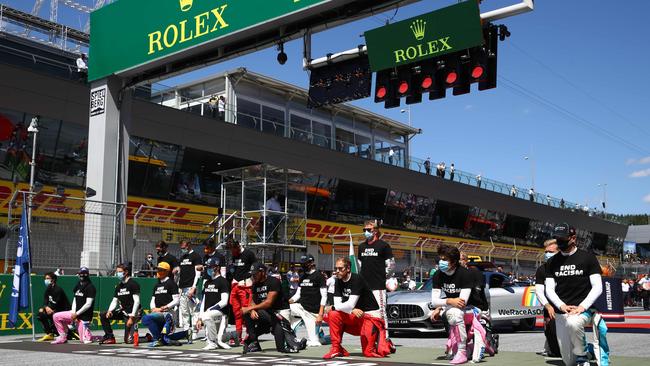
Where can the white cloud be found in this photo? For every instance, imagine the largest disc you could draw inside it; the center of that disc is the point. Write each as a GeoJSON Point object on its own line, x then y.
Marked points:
{"type": "Point", "coordinates": [640, 173]}
{"type": "Point", "coordinates": [646, 199]}
{"type": "Point", "coordinates": [641, 161]}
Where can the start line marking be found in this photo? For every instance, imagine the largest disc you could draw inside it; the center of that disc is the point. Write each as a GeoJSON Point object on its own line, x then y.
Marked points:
{"type": "Point", "coordinates": [213, 357]}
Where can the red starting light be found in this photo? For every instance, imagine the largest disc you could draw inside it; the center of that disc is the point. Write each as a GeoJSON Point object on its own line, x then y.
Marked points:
{"type": "Point", "coordinates": [477, 71]}
{"type": "Point", "coordinates": [451, 77]}
{"type": "Point", "coordinates": [427, 82]}
{"type": "Point", "coordinates": [403, 87]}
{"type": "Point", "coordinates": [381, 92]}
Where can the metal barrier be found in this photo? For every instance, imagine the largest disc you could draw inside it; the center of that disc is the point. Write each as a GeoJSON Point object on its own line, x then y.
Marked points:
{"type": "Point", "coordinates": [153, 224]}
{"type": "Point", "coordinates": [59, 227]}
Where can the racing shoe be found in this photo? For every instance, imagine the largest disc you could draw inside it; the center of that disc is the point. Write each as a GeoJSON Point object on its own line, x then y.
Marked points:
{"type": "Point", "coordinates": [302, 344]}
{"type": "Point", "coordinates": [288, 350]}
{"type": "Point", "coordinates": [461, 357]}
{"type": "Point", "coordinates": [391, 345]}
{"type": "Point", "coordinates": [46, 338]}
{"type": "Point", "coordinates": [59, 340]}
{"type": "Point", "coordinates": [340, 352]}
{"type": "Point", "coordinates": [252, 347]}
{"type": "Point", "coordinates": [582, 361]}
{"type": "Point", "coordinates": [107, 340]}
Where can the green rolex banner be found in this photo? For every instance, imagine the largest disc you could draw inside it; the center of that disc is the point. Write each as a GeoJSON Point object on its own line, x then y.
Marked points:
{"type": "Point", "coordinates": [451, 29]}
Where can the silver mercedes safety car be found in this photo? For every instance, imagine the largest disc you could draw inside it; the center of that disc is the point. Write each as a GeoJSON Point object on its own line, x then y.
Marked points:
{"type": "Point", "coordinates": [510, 305]}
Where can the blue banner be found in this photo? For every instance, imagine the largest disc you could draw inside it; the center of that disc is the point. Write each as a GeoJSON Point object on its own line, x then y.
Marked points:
{"type": "Point", "coordinates": [20, 288]}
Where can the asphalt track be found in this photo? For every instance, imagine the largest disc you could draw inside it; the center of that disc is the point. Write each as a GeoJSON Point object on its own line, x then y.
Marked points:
{"type": "Point", "coordinates": [630, 348]}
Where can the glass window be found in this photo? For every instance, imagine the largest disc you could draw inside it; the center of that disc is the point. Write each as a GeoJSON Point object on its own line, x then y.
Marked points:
{"type": "Point", "coordinates": [193, 178]}
{"type": "Point", "coordinates": [14, 153]}
{"type": "Point", "coordinates": [300, 129]}
{"type": "Point", "coordinates": [273, 121]}
{"type": "Point", "coordinates": [248, 114]}
{"type": "Point", "coordinates": [345, 141]}
{"type": "Point", "coordinates": [151, 165]}
{"type": "Point", "coordinates": [364, 148]}
{"type": "Point", "coordinates": [322, 134]}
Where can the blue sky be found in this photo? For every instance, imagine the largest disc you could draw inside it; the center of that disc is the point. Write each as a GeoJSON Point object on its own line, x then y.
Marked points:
{"type": "Point", "coordinates": [583, 69]}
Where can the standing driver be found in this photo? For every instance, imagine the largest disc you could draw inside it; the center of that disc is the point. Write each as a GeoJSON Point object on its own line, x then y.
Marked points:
{"type": "Point", "coordinates": [377, 264]}
{"type": "Point", "coordinates": [573, 283]}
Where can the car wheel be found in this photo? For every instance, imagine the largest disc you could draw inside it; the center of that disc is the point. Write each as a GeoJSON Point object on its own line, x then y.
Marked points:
{"type": "Point", "coordinates": [527, 324]}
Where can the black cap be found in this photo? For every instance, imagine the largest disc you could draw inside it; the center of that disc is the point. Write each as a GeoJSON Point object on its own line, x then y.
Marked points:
{"type": "Point", "coordinates": [257, 267]}
{"type": "Point", "coordinates": [307, 258]}
{"type": "Point", "coordinates": [213, 262]}
{"type": "Point", "coordinates": [563, 231]}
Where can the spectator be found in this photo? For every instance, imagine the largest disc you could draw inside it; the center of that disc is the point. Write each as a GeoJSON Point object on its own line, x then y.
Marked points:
{"type": "Point", "coordinates": [221, 105]}
{"type": "Point", "coordinates": [213, 105]}
{"type": "Point", "coordinates": [626, 292]}
{"type": "Point", "coordinates": [148, 268]}
{"type": "Point", "coordinates": [273, 217]}
{"type": "Point", "coordinates": [427, 166]}
{"type": "Point", "coordinates": [548, 200]}
{"type": "Point", "coordinates": [513, 191]}
{"type": "Point", "coordinates": [452, 171]}
{"type": "Point", "coordinates": [391, 155]}
{"type": "Point", "coordinates": [443, 168]}
{"type": "Point", "coordinates": [531, 194]}
{"type": "Point", "coordinates": [82, 67]}
{"type": "Point", "coordinates": [408, 284]}
{"type": "Point", "coordinates": [562, 204]}
{"type": "Point", "coordinates": [644, 286]}
{"type": "Point", "coordinates": [478, 180]}
{"type": "Point", "coordinates": [438, 167]}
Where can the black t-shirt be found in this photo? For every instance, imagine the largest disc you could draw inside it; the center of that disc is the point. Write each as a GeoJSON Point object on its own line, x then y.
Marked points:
{"type": "Point", "coordinates": [477, 296]}
{"type": "Point", "coordinates": [163, 292]}
{"type": "Point", "coordinates": [242, 263]}
{"type": "Point", "coordinates": [451, 285]}
{"type": "Point", "coordinates": [373, 263]}
{"type": "Point", "coordinates": [310, 285]}
{"type": "Point", "coordinates": [124, 293]}
{"type": "Point", "coordinates": [56, 299]}
{"type": "Point", "coordinates": [212, 290]}
{"type": "Point", "coordinates": [188, 263]}
{"type": "Point", "coordinates": [83, 291]}
{"type": "Point", "coordinates": [261, 292]}
{"type": "Point", "coordinates": [356, 286]}
{"type": "Point", "coordinates": [571, 274]}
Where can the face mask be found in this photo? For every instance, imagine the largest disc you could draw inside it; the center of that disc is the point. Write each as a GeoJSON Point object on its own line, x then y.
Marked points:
{"type": "Point", "coordinates": [443, 265]}
{"type": "Point", "coordinates": [210, 272]}
{"type": "Point", "coordinates": [367, 234]}
{"type": "Point", "coordinates": [119, 275]}
{"type": "Point", "coordinates": [160, 252]}
{"type": "Point", "coordinates": [184, 251]}
{"type": "Point", "coordinates": [47, 283]}
{"type": "Point", "coordinates": [149, 259]}
{"type": "Point", "coordinates": [83, 277]}
{"type": "Point", "coordinates": [562, 244]}
{"type": "Point", "coordinates": [548, 256]}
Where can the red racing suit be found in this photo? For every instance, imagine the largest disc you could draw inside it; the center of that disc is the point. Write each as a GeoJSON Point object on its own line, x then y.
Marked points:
{"type": "Point", "coordinates": [370, 329]}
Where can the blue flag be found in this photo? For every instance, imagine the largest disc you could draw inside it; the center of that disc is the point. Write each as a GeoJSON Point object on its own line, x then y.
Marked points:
{"type": "Point", "coordinates": [20, 289]}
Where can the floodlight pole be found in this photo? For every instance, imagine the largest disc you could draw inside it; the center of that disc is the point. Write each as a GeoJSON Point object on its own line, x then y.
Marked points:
{"type": "Point", "coordinates": [33, 128]}
{"type": "Point", "coordinates": [524, 6]}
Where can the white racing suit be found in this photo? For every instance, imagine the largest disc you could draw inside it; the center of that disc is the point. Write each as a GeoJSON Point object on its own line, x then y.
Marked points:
{"type": "Point", "coordinates": [572, 339]}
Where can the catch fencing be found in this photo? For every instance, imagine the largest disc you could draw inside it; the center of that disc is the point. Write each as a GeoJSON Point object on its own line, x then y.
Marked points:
{"type": "Point", "coordinates": [58, 228]}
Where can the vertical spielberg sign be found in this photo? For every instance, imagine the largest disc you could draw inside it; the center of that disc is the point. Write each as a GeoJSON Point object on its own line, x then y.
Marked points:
{"type": "Point", "coordinates": [131, 33]}
{"type": "Point", "coordinates": [434, 34]}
